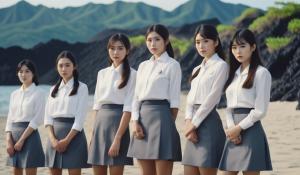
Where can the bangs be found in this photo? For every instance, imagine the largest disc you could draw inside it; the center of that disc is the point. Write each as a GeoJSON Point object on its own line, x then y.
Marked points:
{"type": "Point", "coordinates": [239, 40]}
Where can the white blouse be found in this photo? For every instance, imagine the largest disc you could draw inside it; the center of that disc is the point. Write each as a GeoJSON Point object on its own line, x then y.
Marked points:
{"type": "Point", "coordinates": [107, 91]}
{"type": "Point", "coordinates": [63, 105]}
{"type": "Point", "coordinates": [257, 97]}
{"type": "Point", "coordinates": [157, 79]}
{"type": "Point", "coordinates": [206, 88]}
{"type": "Point", "coordinates": [26, 105]}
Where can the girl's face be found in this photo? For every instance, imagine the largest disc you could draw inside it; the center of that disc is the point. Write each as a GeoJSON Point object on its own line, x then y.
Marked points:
{"type": "Point", "coordinates": [242, 51]}
{"type": "Point", "coordinates": [117, 52]}
{"type": "Point", "coordinates": [65, 68]}
{"type": "Point", "coordinates": [156, 44]}
{"type": "Point", "coordinates": [205, 47]}
{"type": "Point", "coordinates": [25, 75]}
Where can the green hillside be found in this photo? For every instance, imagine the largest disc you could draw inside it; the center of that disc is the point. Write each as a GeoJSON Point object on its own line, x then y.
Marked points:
{"type": "Point", "coordinates": [26, 25]}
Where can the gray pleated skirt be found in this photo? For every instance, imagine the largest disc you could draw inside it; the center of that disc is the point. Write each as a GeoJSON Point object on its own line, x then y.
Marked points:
{"type": "Point", "coordinates": [252, 154]}
{"type": "Point", "coordinates": [105, 128]}
{"type": "Point", "coordinates": [161, 141]}
{"type": "Point", "coordinates": [207, 152]}
{"type": "Point", "coordinates": [76, 154]}
{"type": "Point", "coordinates": [32, 154]}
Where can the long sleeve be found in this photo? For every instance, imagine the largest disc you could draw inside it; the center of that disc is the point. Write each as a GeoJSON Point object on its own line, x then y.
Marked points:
{"type": "Point", "coordinates": [130, 92]}
{"type": "Point", "coordinates": [39, 109]}
{"type": "Point", "coordinates": [135, 101]}
{"type": "Point", "coordinates": [213, 97]}
{"type": "Point", "coordinates": [229, 118]}
{"type": "Point", "coordinates": [263, 88]}
{"type": "Point", "coordinates": [189, 104]}
{"type": "Point", "coordinates": [47, 118]}
{"type": "Point", "coordinates": [9, 115]}
{"type": "Point", "coordinates": [175, 86]}
{"type": "Point", "coordinates": [96, 105]}
{"type": "Point", "coordinates": [81, 108]}
{"type": "Point", "coordinates": [188, 108]}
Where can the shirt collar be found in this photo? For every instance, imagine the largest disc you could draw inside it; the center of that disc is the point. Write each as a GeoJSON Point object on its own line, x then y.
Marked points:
{"type": "Point", "coordinates": [245, 71]}
{"type": "Point", "coordinates": [117, 69]}
{"type": "Point", "coordinates": [210, 61]}
{"type": "Point", "coordinates": [28, 89]}
{"type": "Point", "coordinates": [164, 57]}
{"type": "Point", "coordinates": [68, 85]}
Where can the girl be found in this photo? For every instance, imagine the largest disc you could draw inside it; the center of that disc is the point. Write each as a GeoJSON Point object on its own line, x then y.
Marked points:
{"type": "Point", "coordinates": [204, 129]}
{"type": "Point", "coordinates": [65, 113]}
{"type": "Point", "coordinates": [26, 108]}
{"type": "Point", "coordinates": [112, 105]}
{"type": "Point", "coordinates": [156, 142]}
{"type": "Point", "coordinates": [248, 94]}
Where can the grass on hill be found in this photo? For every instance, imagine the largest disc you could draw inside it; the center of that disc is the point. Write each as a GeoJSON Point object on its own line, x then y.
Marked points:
{"type": "Point", "coordinates": [294, 26]}
{"type": "Point", "coordinates": [273, 13]}
{"type": "Point", "coordinates": [246, 13]}
{"type": "Point", "coordinates": [275, 43]}
{"type": "Point", "coordinates": [222, 28]}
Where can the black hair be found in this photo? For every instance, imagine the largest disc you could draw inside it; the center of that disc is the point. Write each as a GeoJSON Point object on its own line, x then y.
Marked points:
{"type": "Point", "coordinates": [242, 36]}
{"type": "Point", "coordinates": [126, 67]}
{"type": "Point", "coordinates": [30, 65]}
{"type": "Point", "coordinates": [164, 33]}
{"type": "Point", "coordinates": [208, 31]}
{"type": "Point", "coordinates": [71, 57]}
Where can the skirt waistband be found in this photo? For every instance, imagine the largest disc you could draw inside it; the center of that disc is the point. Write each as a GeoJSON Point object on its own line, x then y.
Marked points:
{"type": "Point", "coordinates": [241, 110]}
{"type": "Point", "coordinates": [196, 105]}
{"type": "Point", "coordinates": [155, 102]}
{"type": "Point", "coordinates": [18, 124]}
{"type": "Point", "coordinates": [111, 106]}
{"type": "Point", "coordinates": [64, 119]}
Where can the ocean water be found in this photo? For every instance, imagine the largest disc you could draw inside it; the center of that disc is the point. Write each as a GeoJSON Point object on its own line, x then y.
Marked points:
{"type": "Point", "coordinates": [5, 92]}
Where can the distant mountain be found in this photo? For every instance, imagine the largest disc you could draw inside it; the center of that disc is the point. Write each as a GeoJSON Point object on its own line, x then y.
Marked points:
{"type": "Point", "coordinates": [91, 56]}
{"type": "Point", "coordinates": [26, 25]}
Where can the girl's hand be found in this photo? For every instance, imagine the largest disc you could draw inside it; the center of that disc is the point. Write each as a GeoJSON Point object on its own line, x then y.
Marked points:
{"type": "Point", "coordinates": [234, 132]}
{"type": "Point", "coordinates": [19, 145]}
{"type": "Point", "coordinates": [138, 130]}
{"type": "Point", "coordinates": [63, 145]}
{"type": "Point", "coordinates": [193, 137]}
{"type": "Point", "coordinates": [189, 128]}
{"type": "Point", "coordinates": [237, 140]}
{"type": "Point", "coordinates": [10, 148]}
{"type": "Point", "coordinates": [54, 143]}
{"type": "Point", "coordinates": [114, 148]}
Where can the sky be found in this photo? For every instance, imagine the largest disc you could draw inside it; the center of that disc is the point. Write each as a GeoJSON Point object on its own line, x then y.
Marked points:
{"type": "Point", "coordinates": [164, 4]}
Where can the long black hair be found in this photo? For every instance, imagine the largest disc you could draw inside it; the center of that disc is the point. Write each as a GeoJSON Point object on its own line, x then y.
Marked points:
{"type": "Point", "coordinates": [240, 37]}
{"type": "Point", "coordinates": [30, 65]}
{"type": "Point", "coordinates": [67, 54]}
{"type": "Point", "coordinates": [164, 33]}
{"type": "Point", "coordinates": [126, 67]}
{"type": "Point", "coordinates": [208, 31]}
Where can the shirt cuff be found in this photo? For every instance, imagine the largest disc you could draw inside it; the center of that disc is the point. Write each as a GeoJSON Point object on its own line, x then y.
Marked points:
{"type": "Point", "coordinates": [135, 115]}
{"type": "Point", "coordinates": [48, 122]}
{"type": "Point", "coordinates": [197, 121]}
{"type": "Point", "coordinates": [188, 115]}
{"type": "Point", "coordinates": [174, 104]}
{"type": "Point", "coordinates": [77, 127]}
{"type": "Point", "coordinates": [126, 108]}
{"type": "Point", "coordinates": [96, 107]}
{"type": "Point", "coordinates": [8, 128]}
{"type": "Point", "coordinates": [246, 123]}
{"type": "Point", "coordinates": [33, 125]}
